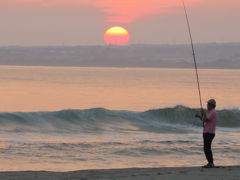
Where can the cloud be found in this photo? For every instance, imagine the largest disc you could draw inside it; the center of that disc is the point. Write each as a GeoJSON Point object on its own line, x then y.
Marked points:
{"type": "Point", "coordinates": [127, 11]}
{"type": "Point", "coordinates": [117, 11]}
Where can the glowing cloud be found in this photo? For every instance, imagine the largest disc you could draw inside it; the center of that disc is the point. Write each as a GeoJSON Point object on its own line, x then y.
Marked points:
{"type": "Point", "coordinates": [126, 11]}
{"type": "Point", "coordinates": [117, 11]}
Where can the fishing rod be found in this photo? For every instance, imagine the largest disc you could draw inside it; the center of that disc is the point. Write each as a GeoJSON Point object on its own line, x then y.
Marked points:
{"type": "Point", "coordinates": [194, 56]}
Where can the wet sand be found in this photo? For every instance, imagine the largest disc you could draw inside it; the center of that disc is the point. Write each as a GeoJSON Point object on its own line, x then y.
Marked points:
{"type": "Point", "coordinates": [186, 173]}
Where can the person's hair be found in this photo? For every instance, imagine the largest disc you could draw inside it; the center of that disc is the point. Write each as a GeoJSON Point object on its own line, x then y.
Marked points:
{"type": "Point", "coordinates": [212, 105]}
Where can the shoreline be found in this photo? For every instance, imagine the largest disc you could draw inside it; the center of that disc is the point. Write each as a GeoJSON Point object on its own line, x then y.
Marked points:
{"type": "Point", "coordinates": [168, 173]}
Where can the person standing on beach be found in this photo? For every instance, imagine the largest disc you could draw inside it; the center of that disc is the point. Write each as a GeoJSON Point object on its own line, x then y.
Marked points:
{"type": "Point", "coordinates": [209, 126]}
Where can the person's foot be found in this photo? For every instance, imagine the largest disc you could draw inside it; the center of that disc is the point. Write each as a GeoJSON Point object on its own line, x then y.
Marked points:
{"type": "Point", "coordinates": [208, 166]}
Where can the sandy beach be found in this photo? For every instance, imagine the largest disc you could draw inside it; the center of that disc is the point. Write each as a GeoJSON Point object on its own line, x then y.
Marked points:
{"type": "Point", "coordinates": [196, 173]}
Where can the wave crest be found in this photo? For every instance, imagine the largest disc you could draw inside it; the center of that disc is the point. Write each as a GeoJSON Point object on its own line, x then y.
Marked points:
{"type": "Point", "coordinates": [179, 119]}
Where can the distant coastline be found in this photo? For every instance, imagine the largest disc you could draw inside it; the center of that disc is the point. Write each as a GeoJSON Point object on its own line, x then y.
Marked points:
{"type": "Point", "coordinates": [209, 56]}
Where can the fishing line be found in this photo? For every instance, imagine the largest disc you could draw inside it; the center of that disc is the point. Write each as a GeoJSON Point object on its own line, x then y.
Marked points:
{"type": "Point", "coordinates": [193, 52]}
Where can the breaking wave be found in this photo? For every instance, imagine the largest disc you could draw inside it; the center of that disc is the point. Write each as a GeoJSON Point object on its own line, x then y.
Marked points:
{"type": "Point", "coordinates": [179, 119]}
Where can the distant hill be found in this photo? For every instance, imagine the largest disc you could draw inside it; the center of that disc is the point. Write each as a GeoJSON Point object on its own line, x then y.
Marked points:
{"type": "Point", "coordinates": [170, 56]}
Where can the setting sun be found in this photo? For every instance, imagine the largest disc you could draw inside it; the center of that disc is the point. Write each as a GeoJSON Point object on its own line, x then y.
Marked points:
{"type": "Point", "coordinates": [116, 36]}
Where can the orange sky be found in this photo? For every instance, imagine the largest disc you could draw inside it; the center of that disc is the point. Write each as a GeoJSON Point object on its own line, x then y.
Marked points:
{"type": "Point", "coordinates": [73, 22]}
{"type": "Point", "coordinates": [117, 11]}
{"type": "Point", "coordinates": [125, 11]}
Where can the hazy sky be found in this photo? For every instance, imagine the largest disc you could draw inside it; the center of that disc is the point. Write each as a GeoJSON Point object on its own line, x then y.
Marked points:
{"type": "Point", "coordinates": [83, 22]}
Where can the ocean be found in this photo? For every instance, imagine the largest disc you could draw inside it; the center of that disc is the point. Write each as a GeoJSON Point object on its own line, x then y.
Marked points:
{"type": "Point", "coordinates": [71, 118]}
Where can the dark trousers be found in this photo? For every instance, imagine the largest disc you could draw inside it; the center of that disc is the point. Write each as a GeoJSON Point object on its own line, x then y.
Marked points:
{"type": "Point", "coordinates": [207, 139]}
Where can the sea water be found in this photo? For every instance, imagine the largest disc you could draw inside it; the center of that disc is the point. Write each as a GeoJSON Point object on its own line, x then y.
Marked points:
{"type": "Point", "coordinates": [70, 118]}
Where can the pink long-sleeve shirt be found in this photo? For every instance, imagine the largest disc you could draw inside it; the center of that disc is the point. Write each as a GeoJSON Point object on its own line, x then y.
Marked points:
{"type": "Point", "coordinates": [210, 125]}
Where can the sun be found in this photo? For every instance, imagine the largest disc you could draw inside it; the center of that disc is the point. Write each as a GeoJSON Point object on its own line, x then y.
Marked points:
{"type": "Point", "coordinates": [117, 36]}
